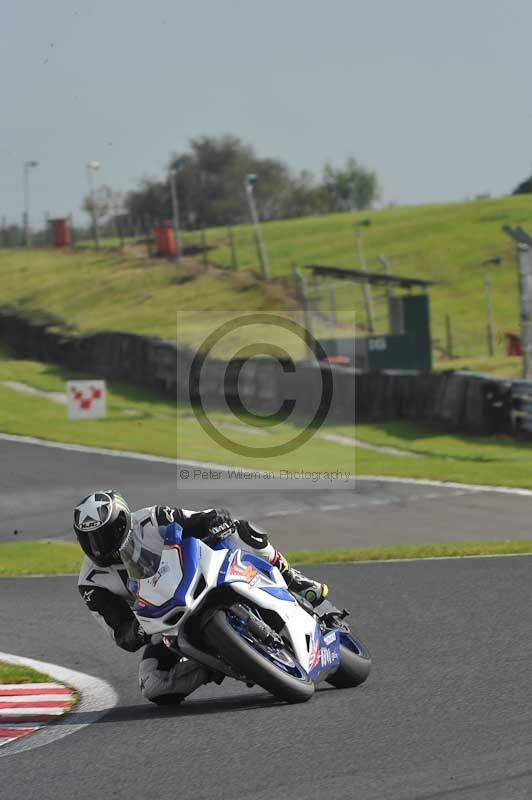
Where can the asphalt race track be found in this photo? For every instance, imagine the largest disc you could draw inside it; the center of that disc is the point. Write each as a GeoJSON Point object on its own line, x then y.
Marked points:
{"type": "Point", "coordinates": [39, 487]}
{"type": "Point", "coordinates": [446, 712]}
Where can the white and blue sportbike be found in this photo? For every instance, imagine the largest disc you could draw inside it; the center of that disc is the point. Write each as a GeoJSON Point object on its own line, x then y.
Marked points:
{"type": "Point", "coordinates": [231, 611]}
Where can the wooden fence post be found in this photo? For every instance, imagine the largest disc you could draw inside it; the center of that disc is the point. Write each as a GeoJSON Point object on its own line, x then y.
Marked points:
{"type": "Point", "coordinates": [232, 245]}
{"type": "Point", "coordinates": [448, 337]}
{"type": "Point", "coordinates": [302, 291]}
{"type": "Point", "coordinates": [204, 246]}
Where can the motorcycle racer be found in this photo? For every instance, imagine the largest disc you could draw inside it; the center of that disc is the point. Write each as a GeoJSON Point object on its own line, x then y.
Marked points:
{"type": "Point", "coordinates": [120, 544]}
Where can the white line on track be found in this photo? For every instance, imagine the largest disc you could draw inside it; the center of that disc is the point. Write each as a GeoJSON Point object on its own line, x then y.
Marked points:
{"type": "Point", "coordinates": [459, 488]}
{"type": "Point", "coordinates": [465, 487]}
{"type": "Point", "coordinates": [79, 448]}
{"type": "Point", "coordinates": [377, 561]}
{"type": "Point", "coordinates": [96, 698]}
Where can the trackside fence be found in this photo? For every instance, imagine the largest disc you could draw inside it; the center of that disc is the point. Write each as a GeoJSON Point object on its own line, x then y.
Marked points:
{"type": "Point", "coordinates": [455, 401]}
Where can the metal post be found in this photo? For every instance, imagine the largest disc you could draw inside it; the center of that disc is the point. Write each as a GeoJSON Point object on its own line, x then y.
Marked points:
{"type": "Point", "coordinates": [525, 293]}
{"type": "Point", "coordinates": [175, 213]}
{"type": "Point", "coordinates": [119, 227]}
{"type": "Point", "coordinates": [489, 311]}
{"type": "Point", "coordinates": [332, 305]}
{"type": "Point", "coordinates": [204, 246]}
{"type": "Point", "coordinates": [524, 267]}
{"type": "Point", "coordinates": [315, 302]}
{"type": "Point", "coordinates": [388, 270]}
{"type": "Point", "coordinates": [92, 167]}
{"type": "Point", "coordinates": [493, 260]}
{"type": "Point", "coordinates": [147, 225]}
{"type": "Point", "coordinates": [261, 250]}
{"type": "Point", "coordinates": [368, 300]}
{"type": "Point", "coordinates": [26, 215]}
{"type": "Point", "coordinates": [389, 293]}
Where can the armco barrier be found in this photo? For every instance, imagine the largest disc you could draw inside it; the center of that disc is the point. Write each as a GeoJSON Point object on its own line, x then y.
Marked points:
{"type": "Point", "coordinates": [522, 407]}
{"type": "Point", "coordinates": [455, 401]}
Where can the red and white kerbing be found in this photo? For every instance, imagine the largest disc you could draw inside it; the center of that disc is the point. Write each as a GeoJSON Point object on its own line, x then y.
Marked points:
{"type": "Point", "coordinates": [26, 707]}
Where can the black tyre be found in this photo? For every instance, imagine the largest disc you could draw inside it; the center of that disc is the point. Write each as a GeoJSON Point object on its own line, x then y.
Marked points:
{"type": "Point", "coordinates": [273, 668]}
{"type": "Point", "coordinates": [355, 664]}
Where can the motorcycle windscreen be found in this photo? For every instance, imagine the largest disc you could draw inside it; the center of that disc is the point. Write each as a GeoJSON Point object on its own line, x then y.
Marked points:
{"type": "Point", "coordinates": [141, 552]}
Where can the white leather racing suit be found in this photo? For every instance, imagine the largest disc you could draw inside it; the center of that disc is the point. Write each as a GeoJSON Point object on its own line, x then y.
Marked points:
{"type": "Point", "coordinates": [163, 676]}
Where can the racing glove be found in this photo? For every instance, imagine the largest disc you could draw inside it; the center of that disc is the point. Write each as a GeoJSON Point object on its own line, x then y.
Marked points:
{"type": "Point", "coordinates": [219, 524]}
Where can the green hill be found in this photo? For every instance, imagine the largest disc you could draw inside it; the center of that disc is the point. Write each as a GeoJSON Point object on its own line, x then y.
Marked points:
{"type": "Point", "coordinates": [107, 290]}
{"type": "Point", "coordinates": [92, 290]}
{"type": "Point", "coordinates": [444, 243]}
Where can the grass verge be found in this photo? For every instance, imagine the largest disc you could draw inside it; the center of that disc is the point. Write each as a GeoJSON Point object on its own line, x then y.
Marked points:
{"type": "Point", "coordinates": [13, 673]}
{"type": "Point", "coordinates": [409, 551]}
{"type": "Point", "coordinates": [60, 558]}
{"type": "Point", "coordinates": [144, 422]}
{"type": "Point", "coordinates": [39, 558]}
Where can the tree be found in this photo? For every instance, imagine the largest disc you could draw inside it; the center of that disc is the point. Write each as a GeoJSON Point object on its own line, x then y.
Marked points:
{"type": "Point", "coordinates": [352, 188]}
{"type": "Point", "coordinates": [150, 203]}
{"type": "Point", "coordinates": [304, 198]}
{"type": "Point", "coordinates": [211, 179]}
{"type": "Point", "coordinates": [525, 187]}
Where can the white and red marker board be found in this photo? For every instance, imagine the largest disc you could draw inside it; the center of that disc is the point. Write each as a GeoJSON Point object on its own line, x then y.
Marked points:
{"type": "Point", "coordinates": [86, 399]}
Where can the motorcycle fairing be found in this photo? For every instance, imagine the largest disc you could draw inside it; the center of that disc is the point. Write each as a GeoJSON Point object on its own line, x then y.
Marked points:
{"type": "Point", "coordinates": [258, 573]}
{"type": "Point", "coordinates": [168, 588]}
{"type": "Point", "coordinates": [324, 654]}
{"type": "Point", "coordinates": [186, 562]}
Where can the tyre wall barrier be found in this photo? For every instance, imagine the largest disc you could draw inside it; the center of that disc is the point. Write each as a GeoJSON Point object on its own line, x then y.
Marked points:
{"type": "Point", "coordinates": [455, 401]}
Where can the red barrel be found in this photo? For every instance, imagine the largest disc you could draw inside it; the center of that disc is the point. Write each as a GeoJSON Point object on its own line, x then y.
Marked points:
{"type": "Point", "coordinates": [164, 239]}
{"type": "Point", "coordinates": [513, 345]}
{"type": "Point", "coordinates": [60, 231]}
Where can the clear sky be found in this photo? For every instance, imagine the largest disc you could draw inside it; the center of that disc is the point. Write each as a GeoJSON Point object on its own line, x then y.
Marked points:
{"type": "Point", "coordinates": [435, 95]}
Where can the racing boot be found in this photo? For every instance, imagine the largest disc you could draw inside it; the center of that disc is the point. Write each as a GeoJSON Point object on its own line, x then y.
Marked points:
{"type": "Point", "coordinates": [313, 592]}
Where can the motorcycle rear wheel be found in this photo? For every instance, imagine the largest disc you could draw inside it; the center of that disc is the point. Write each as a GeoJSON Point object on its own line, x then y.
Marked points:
{"type": "Point", "coordinates": [265, 666]}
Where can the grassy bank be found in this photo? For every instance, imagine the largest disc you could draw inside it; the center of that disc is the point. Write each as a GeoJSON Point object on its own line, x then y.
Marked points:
{"type": "Point", "coordinates": [446, 243]}
{"type": "Point", "coordinates": [108, 290]}
{"type": "Point", "coordinates": [64, 558]}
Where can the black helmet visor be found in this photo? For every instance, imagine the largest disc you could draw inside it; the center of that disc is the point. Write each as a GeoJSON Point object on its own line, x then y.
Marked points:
{"type": "Point", "coordinates": [102, 545]}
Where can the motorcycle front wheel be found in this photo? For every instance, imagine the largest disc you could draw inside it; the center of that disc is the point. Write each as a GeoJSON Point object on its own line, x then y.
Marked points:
{"type": "Point", "coordinates": [271, 666]}
{"type": "Point", "coordinates": [355, 663]}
